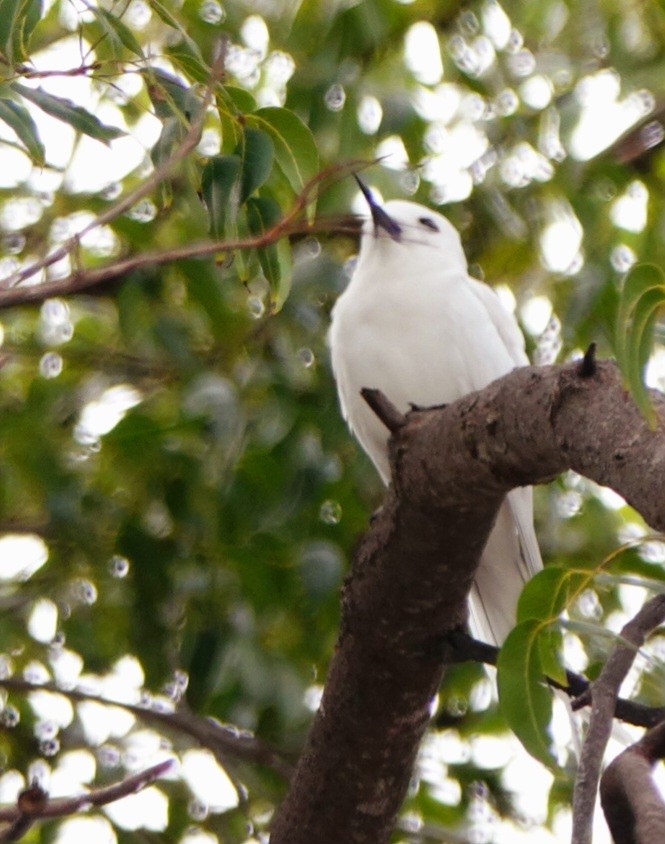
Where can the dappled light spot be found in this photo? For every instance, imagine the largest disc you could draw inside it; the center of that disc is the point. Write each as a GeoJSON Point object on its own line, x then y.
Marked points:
{"type": "Point", "coordinates": [43, 620]}
{"type": "Point", "coordinates": [101, 415]}
{"type": "Point", "coordinates": [82, 830]}
{"type": "Point", "coordinates": [561, 240]}
{"type": "Point", "coordinates": [629, 211]}
{"type": "Point", "coordinates": [21, 555]}
{"type": "Point", "coordinates": [208, 781]}
{"type": "Point", "coordinates": [422, 54]}
{"type": "Point", "coordinates": [147, 809]}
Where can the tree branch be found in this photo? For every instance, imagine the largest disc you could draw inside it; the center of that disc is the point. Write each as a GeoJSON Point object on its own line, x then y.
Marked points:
{"type": "Point", "coordinates": [413, 570]}
{"type": "Point", "coordinates": [224, 742]}
{"type": "Point", "coordinates": [33, 803]}
{"type": "Point", "coordinates": [464, 648]}
{"type": "Point", "coordinates": [84, 279]}
{"type": "Point", "coordinates": [632, 804]}
{"type": "Point", "coordinates": [604, 693]}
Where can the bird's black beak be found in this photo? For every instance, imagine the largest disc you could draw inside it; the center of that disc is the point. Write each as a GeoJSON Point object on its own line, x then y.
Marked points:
{"type": "Point", "coordinates": [379, 216]}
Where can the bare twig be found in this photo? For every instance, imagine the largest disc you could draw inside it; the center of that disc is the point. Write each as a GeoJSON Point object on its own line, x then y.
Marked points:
{"type": "Point", "coordinates": [384, 409]}
{"type": "Point", "coordinates": [632, 804]}
{"type": "Point", "coordinates": [224, 742]}
{"type": "Point", "coordinates": [588, 363]}
{"type": "Point", "coordinates": [604, 693]}
{"type": "Point", "coordinates": [33, 803]}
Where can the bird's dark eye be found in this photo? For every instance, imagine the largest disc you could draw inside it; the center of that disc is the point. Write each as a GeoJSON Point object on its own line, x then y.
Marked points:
{"type": "Point", "coordinates": [429, 222]}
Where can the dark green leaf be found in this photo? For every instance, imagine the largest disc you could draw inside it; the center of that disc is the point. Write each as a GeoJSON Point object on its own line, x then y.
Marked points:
{"type": "Point", "coordinates": [220, 184]}
{"type": "Point", "coordinates": [263, 214]}
{"type": "Point", "coordinates": [18, 118]}
{"type": "Point", "coordinates": [642, 295]}
{"type": "Point", "coordinates": [118, 32]}
{"type": "Point", "coordinates": [524, 698]}
{"type": "Point", "coordinates": [67, 111]}
{"type": "Point", "coordinates": [18, 19]}
{"type": "Point", "coordinates": [186, 56]}
{"type": "Point", "coordinates": [167, 94]}
{"type": "Point", "coordinates": [295, 148]}
{"type": "Point", "coordinates": [550, 646]}
{"type": "Point", "coordinates": [257, 151]}
{"type": "Point", "coordinates": [241, 99]}
{"type": "Point", "coordinates": [549, 592]}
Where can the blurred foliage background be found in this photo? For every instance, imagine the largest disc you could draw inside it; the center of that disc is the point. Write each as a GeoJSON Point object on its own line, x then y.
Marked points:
{"type": "Point", "coordinates": [179, 497]}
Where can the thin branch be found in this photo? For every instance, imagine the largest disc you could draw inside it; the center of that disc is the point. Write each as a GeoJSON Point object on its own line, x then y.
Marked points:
{"type": "Point", "coordinates": [384, 409]}
{"type": "Point", "coordinates": [633, 806]}
{"type": "Point", "coordinates": [288, 225]}
{"type": "Point", "coordinates": [604, 693]}
{"type": "Point", "coordinates": [460, 647]}
{"type": "Point", "coordinates": [125, 202]}
{"type": "Point", "coordinates": [588, 363]}
{"type": "Point", "coordinates": [33, 803]}
{"type": "Point", "coordinates": [222, 741]}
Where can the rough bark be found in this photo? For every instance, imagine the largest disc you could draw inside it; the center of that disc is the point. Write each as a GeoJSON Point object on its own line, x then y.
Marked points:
{"type": "Point", "coordinates": [413, 570]}
{"type": "Point", "coordinates": [631, 801]}
{"type": "Point", "coordinates": [604, 693]}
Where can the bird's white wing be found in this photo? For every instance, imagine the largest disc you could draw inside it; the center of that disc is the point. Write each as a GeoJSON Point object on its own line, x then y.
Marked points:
{"type": "Point", "coordinates": [503, 321]}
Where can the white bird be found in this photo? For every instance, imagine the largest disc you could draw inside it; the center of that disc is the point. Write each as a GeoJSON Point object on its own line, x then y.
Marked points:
{"type": "Point", "coordinates": [413, 324]}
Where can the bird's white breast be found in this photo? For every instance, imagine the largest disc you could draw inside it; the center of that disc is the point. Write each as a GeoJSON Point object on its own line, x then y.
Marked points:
{"type": "Point", "coordinates": [418, 332]}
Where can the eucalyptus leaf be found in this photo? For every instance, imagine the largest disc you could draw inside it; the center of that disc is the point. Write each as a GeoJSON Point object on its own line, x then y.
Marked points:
{"type": "Point", "coordinates": [18, 19]}
{"type": "Point", "coordinates": [220, 185]}
{"type": "Point", "coordinates": [524, 697]}
{"type": "Point", "coordinates": [295, 148]}
{"type": "Point", "coordinates": [257, 151]}
{"type": "Point", "coordinates": [263, 213]}
{"type": "Point", "coordinates": [642, 295]}
{"type": "Point", "coordinates": [69, 112]}
{"type": "Point", "coordinates": [18, 118]}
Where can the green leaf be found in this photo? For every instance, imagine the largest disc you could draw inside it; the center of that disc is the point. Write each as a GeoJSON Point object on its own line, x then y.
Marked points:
{"type": "Point", "coordinates": [67, 111]}
{"type": "Point", "coordinates": [187, 51]}
{"type": "Point", "coordinates": [220, 184]}
{"type": "Point", "coordinates": [524, 698]}
{"type": "Point", "coordinates": [187, 57]}
{"type": "Point", "coordinates": [18, 19]}
{"type": "Point", "coordinates": [549, 592]}
{"type": "Point", "coordinates": [162, 12]}
{"type": "Point", "coordinates": [257, 151]}
{"type": "Point", "coordinates": [118, 32]}
{"type": "Point", "coordinates": [275, 258]}
{"type": "Point", "coordinates": [642, 295]}
{"type": "Point", "coordinates": [550, 645]}
{"type": "Point", "coordinates": [240, 98]}
{"type": "Point", "coordinates": [167, 94]}
{"type": "Point", "coordinates": [18, 118]}
{"type": "Point", "coordinates": [295, 148]}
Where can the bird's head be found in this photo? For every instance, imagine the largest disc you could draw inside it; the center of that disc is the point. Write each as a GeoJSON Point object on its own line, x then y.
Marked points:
{"type": "Point", "coordinates": [403, 225]}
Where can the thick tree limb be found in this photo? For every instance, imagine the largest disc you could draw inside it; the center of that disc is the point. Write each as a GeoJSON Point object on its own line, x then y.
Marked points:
{"type": "Point", "coordinates": [413, 570]}
{"type": "Point", "coordinates": [604, 693]}
{"type": "Point", "coordinates": [633, 806]}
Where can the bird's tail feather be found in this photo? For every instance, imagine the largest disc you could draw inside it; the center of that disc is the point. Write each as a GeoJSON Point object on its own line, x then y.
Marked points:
{"type": "Point", "coordinates": [510, 558]}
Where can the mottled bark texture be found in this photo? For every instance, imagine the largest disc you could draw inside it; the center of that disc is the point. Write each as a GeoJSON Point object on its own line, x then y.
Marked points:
{"type": "Point", "coordinates": [631, 801]}
{"type": "Point", "coordinates": [414, 567]}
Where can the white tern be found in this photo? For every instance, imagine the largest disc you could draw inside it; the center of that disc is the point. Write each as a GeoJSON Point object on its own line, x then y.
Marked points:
{"type": "Point", "coordinates": [413, 324]}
